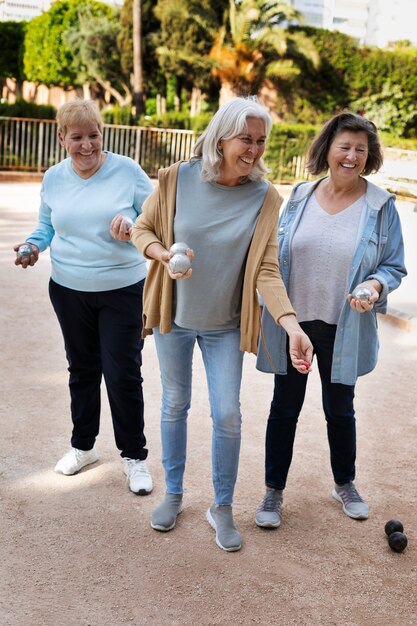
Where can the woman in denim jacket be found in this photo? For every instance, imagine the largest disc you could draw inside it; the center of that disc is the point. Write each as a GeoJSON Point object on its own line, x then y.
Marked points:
{"type": "Point", "coordinates": [337, 235]}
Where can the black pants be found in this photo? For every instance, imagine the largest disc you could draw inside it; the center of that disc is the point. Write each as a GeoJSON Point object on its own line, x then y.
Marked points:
{"type": "Point", "coordinates": [337, 400]}
{"type": "Point", "coordinates": [102, 335]}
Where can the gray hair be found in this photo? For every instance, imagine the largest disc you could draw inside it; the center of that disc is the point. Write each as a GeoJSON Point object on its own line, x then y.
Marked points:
{"type": "Point", "coordinates": [229, 122]}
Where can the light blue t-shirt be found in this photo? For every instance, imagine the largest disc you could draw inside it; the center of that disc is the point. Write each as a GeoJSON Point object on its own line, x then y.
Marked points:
{"type": "Point", "coordinates": [74, 220]}
{"type": "Point", "coordinates": [217, 222]}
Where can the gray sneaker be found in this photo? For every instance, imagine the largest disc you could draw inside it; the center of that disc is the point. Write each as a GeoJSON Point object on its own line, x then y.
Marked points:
{"type": "Point", "coordinates": [165, 515]}
{"type": "Point", "coordinates": [227, 535]}
{"type": "Point", "coordinates": [352, 502]}
{"type": "Point", "coordinates": [269, 512]}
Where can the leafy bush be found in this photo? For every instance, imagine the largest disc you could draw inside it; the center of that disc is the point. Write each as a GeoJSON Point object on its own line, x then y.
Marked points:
{"type": "Point", "coordinates": [117, 115]}
{"type": "Point", "coordinates": [286, 150]}
{"type": "Point", "coordinates": [389, 110]}
{"type": "Point", "coordinates": [21, 108]}
{"type": "Point", "coordinates": [389, 141]}
{"type": "Point", "coordinates": [177, 119]}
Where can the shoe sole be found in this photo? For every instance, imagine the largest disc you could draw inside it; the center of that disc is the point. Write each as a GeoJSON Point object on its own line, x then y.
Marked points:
{"type": "Point", "coordinates": [339, 499]}
{"type": "Point", "coordinates": [141, 492]}
{"type": "Point", "coordinates": [165, 529]}
{"type": "Point", "coordinates": [76, 471]}
{"type": "Point", "coordinates": [212, 523]}
{"type": "Point", "coordinates": [267, 524]}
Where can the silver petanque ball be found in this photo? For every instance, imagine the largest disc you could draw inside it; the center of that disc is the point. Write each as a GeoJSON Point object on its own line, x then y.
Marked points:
{"type": "Point", "coordinates": [361, 293]}
{"type": "Point", "coordinates": [179, 248]}
{"type": "Point", "coordinates": [25, 250]}
{"type": "Point", "coordinates": [179, 263]}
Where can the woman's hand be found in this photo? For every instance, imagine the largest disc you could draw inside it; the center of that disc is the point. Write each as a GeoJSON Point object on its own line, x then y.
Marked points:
{"type": "Point", "coordinates": [26, 259]}
{"type": "Point", "coordinates": [301, 348]}
{"type": "Point", "coordinates": [363, 305]}
{"type": "Point", "coordinates": [120, 227]}
{"type": "Point", "coordinates": [301, 351]}
{"type": "Point", "coordinates": [159, 253]}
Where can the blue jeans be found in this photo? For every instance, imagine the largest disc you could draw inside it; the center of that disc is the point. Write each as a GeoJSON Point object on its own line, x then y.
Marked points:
{"type": "Point", "coordinates": [288, 399]}
{"type": "Point", "coordinates": [223, 364]}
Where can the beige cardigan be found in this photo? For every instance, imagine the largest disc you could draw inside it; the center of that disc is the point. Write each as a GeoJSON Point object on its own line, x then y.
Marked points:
{"type": "Point", "coordinates": [155, 224]}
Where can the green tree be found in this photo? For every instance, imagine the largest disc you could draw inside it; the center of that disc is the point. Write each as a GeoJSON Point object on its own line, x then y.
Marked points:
{"type": "Point", "coordinates": [48, 58]}
{"type": "Point", "coordinates": [11, 52]}
{"type": "Point", "coordinates": [318, 92]}
{"type": "Point", "coordinates": [186, 35]}
{"type": "Point", "coordinates": [93, 42]}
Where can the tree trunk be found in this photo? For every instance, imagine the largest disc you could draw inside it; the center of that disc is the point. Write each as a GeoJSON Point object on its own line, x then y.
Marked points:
{"type": "Point", "coordinates": [138, 100]}
{"type": "Point", "coordinates": [227, 92]}
{"type": "Point", "coordinates": [86, 91]}
{"type": "Point", "coordinates": [195, 102]}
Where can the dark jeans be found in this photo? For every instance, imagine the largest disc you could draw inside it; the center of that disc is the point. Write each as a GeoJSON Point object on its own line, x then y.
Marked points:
{"type": "Point", "coordinates": [288, 399]}
{"type": "Point", "coordinates": [102, 335]}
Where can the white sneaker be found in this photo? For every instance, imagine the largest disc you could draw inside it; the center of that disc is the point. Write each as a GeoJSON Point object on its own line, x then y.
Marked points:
{"type": "Point", "coordinates": [138, 476]}
{"type": "Point", "coordinates": [74, 460]}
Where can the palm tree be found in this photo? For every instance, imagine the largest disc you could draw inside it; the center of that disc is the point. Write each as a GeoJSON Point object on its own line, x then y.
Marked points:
{"type": "Point", "coordinates": [254, 44]}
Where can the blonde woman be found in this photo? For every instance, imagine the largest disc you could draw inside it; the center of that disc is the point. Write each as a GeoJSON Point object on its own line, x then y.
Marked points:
{"type": "Point", "coordinates": [96, 286]}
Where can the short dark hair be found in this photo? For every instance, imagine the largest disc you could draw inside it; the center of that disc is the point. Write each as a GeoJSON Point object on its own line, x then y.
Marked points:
{"type": "Point", "coordinates": [346, 121]}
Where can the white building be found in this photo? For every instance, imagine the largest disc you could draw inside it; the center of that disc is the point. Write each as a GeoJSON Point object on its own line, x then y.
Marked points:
{"type": "Point", "coordinates": [370, 22]}
{"type": "Point", "coordinates": [22, 10]}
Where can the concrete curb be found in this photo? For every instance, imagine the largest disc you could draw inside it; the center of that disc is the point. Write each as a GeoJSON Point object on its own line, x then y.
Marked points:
{"type": "Point", "coordinates": [399, 319]}
{"type": "Point", "coordinates": [20, 177]}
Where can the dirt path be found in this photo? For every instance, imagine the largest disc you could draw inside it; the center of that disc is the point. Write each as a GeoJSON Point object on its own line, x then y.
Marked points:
{"type": "Point", "coordinates": [79, 551]}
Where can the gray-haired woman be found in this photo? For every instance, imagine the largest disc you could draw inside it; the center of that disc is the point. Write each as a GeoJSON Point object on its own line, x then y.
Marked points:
{"type": "Point", "coordinates": [220, 205]}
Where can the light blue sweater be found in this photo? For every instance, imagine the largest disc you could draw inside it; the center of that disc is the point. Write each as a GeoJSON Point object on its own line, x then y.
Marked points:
{"type": "Point", "coordinates": [74, 220]}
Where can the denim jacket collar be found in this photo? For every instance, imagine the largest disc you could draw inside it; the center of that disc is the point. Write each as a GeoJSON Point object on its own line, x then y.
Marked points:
{"type": "Point", "coordinates": [375, 196]}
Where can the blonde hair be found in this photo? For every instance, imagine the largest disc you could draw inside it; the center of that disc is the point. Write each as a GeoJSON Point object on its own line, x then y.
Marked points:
{"type": "Point", "coordinates": [229, 122]}
{"type": "Point", "coordinates": [78, 112]}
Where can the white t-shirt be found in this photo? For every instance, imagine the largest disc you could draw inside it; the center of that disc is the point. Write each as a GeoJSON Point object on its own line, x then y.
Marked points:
{"type": "Point", "coordinates": [322, 249]}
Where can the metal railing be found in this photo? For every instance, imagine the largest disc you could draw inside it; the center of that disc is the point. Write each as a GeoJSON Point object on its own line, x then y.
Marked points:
{"type": "Point", "coordinates": [32, 145]}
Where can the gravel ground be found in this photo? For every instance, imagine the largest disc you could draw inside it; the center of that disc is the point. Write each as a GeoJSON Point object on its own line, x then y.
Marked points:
{"type": "Point", "coordinates": [80, 550]}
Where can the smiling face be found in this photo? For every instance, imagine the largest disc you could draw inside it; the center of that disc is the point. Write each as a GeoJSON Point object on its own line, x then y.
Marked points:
{"type": "Point", "coordinates": [242, 153]}
{"type": "Point", "coordinates": [347, 154]}
{"type": "Point", "coordinates": [83, 144]}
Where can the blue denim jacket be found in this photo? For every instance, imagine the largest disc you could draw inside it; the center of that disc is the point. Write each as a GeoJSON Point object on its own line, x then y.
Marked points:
{"type": "Point", "coordinates": [379, 254]}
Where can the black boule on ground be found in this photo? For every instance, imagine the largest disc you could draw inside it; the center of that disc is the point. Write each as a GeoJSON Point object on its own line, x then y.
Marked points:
{"type": "Point", "coordinates": [392, 526]}
{"type": "Point", "coordinates": [397, 541]}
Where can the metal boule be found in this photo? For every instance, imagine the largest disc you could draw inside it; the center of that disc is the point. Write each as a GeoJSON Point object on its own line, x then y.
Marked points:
{"type": "Point", "coordinates": [361, 293]}
{"type": "Point", "coordinates": [179, 264]}
{"type": "Point", "coordinates": [25, 250]}
{"type": "Point", "coordinates": [179, 248]}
